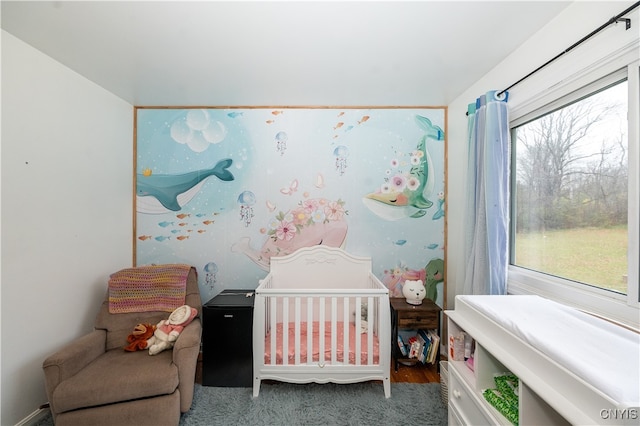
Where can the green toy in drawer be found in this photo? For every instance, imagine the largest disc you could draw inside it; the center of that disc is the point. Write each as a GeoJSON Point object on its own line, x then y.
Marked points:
{"type": "Point", "coordinates": [504, 397]}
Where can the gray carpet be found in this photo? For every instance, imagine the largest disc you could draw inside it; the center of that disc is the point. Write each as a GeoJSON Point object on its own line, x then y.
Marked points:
{"type": "Point", "coordinates": [315, 404]}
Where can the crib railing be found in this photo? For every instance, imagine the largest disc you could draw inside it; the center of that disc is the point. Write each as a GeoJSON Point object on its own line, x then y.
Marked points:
{"type": "Point", "coordinates": [322, 308]}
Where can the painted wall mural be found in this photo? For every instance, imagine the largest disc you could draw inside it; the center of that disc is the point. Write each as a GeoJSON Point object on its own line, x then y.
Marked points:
{"type": "Point", "coordinates": [226, 189]}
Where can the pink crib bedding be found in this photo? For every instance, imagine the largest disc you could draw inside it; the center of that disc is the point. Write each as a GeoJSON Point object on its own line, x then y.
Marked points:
{"type": "Point", "coordinates": [364, 347]}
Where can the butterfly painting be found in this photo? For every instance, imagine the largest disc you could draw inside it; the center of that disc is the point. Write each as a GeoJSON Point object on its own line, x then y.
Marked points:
{"type": "Point", "coordinates": [293, 187]}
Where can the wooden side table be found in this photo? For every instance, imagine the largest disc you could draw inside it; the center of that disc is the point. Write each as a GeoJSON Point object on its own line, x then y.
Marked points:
{"type": "Point", "coordinates": [406, 316]}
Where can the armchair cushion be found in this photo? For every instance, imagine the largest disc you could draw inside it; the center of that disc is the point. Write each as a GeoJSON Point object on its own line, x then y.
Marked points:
{"type": "Point", "coordinates": [161, 410]}
{"type": "Point", "coordinates": [122, 376]}
{"type": "Point", "coordinates": [119, 326]}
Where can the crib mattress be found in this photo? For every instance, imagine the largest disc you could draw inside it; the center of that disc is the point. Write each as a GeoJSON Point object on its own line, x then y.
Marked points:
{"type": "Point", "coordinates": [340, 350]}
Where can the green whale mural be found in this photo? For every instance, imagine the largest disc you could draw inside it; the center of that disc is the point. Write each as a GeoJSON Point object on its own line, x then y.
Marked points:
{"type": "Point", "coordinates": [408, 196]}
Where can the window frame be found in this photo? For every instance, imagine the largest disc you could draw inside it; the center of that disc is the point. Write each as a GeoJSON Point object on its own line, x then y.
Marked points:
{"type": "Point", "coordinates": [620, 308]}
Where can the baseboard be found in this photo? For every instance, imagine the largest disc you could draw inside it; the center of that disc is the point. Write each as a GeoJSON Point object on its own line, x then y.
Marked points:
{"type": "Point", "coordinates": [34, 417]}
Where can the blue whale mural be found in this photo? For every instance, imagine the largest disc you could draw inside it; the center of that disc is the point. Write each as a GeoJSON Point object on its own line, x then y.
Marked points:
{"type": "Point", "coordinates": [159, 193]}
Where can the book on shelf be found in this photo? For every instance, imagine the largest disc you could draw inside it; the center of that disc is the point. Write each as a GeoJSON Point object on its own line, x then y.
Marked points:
{"type": "Point", "coordinates": [422, 345]}
{"type": "Point", "coordinates": [415, 347]}
{"type": "Point", "coordinates": [402, 346]}
{"type": "Point", "coordinates": [425, 342]}
{"type": "Point", "coordinates": [433, 348]}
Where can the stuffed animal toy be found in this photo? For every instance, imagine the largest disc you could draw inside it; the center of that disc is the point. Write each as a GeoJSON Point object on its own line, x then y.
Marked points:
{"type": "Point", "coordinates": [435, 275]}
{"type": "Point", "coordinates": [414, 292]}
{"type": "Point", "coordinates": [167, 331]}
{"type": "Point", "coordinates": [364, 325]}
{"type": "Point", "coordinates": [138, 340]}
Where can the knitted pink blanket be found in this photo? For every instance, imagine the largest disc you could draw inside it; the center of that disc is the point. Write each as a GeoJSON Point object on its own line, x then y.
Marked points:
{"type": "Point", "coordinates": [148, 288]}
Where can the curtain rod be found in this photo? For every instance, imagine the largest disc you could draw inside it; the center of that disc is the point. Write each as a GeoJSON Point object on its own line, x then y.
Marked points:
{"type": "Point", "coordinates": [613, 20]}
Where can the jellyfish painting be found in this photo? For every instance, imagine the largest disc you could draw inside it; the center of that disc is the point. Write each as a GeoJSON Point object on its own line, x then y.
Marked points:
{"type": "Point", "coordinates": [246, 200]}
{"type": "Point", "coordinates": [210, 269]}
{"type": "Point", "coordinates": [341, 153]}
{"type": "Point", "coordinates": [281, 142]}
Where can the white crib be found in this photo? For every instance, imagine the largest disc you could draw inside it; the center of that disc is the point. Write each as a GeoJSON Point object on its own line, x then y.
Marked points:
{"type": "Point", "coordinates": [343, 301]}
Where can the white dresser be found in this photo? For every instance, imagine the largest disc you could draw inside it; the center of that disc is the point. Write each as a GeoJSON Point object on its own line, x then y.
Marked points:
{"type": "Point", "coordinates": [543, 343]}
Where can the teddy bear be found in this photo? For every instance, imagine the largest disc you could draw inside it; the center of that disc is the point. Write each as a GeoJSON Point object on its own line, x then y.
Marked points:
{"type": "Point", "coordinates": [138, 340]}
{"type": "Point", "coordinates": [414, 292]}
{"type": "Point", "coordinates": [167, 331]}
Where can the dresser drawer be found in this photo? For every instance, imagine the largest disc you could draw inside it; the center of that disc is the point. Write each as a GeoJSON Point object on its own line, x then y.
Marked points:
{"type": "Point", "coordinates": [418, 319]}
{"type": "Point", "coordinates": [463, 400]}
{"type": "Point", "coordinates": [453, 417]}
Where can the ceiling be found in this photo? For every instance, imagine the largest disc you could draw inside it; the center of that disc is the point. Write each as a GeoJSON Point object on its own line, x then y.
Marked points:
{"type": "Point", "coordinates": [264, 53]}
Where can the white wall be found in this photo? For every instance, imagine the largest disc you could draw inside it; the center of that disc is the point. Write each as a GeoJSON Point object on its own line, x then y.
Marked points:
{"type": "Point", "coordinates": [575, 22]}
{"type": "Point", "coordinates": [66, 212]}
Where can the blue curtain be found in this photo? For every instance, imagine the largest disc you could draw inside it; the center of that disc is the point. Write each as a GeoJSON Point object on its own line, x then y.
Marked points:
{"type": "Point", "coordinates": [487, 203]}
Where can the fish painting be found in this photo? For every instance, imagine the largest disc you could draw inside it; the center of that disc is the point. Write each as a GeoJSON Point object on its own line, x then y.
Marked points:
{"type": "Point", "coordinates": [408, 197]}
{"type": "Point", "coordinates": [161, 193]}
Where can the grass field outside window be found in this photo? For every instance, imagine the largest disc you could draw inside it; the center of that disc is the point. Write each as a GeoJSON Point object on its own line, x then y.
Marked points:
{"type": "Point", "coordinates": [597, 256]}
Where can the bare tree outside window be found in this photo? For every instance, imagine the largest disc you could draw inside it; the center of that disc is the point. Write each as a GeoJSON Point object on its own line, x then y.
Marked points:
{"type": "Point", "coordinates": [570, 194]}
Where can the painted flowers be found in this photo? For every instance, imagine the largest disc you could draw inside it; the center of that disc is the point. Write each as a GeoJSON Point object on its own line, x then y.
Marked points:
{"type": "Point", "coordinates": [401, 181]}
{"type": "Point", "coordinates": [286, 225]}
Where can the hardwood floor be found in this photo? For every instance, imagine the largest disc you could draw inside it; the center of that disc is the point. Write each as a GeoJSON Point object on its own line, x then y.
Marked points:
{"type": "Point", "coordinates": [415, 374]}
{"type": "Point", "coordinates": [405, 374]}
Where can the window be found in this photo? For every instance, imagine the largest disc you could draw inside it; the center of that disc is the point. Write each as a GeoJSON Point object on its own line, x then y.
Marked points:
{"type": "Point", "coordinates": [570, 191]}
{"type": "Point", "coordinates": [574, 197]}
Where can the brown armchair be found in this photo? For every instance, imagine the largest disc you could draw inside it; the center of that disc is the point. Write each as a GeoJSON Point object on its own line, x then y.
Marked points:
{"type": "Point", "coordinates": [94, 381]}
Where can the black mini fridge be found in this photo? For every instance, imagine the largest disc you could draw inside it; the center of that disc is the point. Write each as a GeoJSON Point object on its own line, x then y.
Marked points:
{"type": "Point", "coordinates": [227, 345]}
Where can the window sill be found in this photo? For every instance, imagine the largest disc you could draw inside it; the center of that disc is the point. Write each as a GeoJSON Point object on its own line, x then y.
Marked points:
{"type": "Point", "coordinates": [606, 304]}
